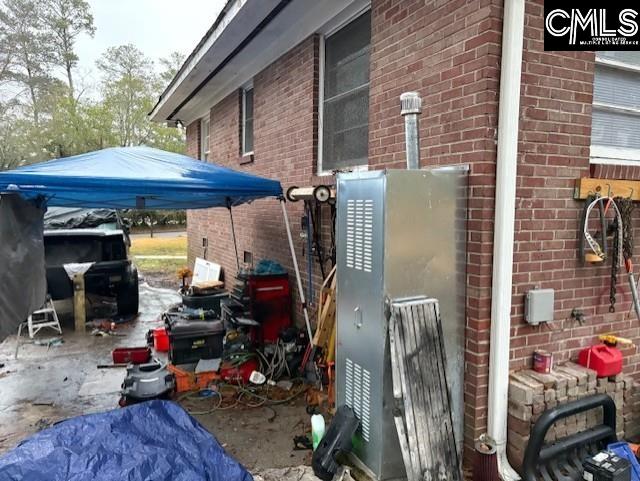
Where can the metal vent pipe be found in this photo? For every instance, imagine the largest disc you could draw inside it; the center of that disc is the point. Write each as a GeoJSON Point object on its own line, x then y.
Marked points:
{"type": "Point", "coordinates": [411, 105]}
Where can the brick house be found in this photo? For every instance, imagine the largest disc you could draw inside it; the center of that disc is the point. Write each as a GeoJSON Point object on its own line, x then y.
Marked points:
{"type": "Point", "coordinates": [294, 89]}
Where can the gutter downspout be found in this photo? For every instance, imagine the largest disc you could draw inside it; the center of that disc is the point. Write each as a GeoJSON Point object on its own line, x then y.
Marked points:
{"type": "Point", "coordinates": [502, 282]}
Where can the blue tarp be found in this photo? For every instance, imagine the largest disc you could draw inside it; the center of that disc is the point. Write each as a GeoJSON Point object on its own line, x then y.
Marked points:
{"type": "Point", "coordinates": [152, 441]}
{"type": "Point", "coordinates": [136, 177]}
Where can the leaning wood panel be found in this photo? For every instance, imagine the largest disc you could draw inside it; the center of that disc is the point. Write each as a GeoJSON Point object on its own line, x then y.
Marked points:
{"type": "Point", "coordinates": [423, 413]}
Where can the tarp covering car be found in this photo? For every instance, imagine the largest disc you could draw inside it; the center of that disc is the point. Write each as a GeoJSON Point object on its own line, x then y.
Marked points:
{"type": "Point", "coordinates": [136, 178]}
{"type": "Point", "coordinates": [156, 440]}
{"type": "Point", "coordinates": [78, 218]}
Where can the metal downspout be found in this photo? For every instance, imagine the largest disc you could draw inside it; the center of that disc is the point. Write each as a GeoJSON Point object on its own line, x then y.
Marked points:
{"type": "Point", "coordinates": [506, 171]}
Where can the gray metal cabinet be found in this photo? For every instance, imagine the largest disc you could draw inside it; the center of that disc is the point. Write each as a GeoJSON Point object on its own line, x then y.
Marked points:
{"type": "Point", "coordinates": [399, 234]}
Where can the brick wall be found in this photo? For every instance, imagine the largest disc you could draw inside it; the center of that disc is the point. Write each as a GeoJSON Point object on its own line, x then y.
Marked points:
{"type": "Point", "coordinates": [449, 51]}
{"type": "Point", "coordinates": [555, 136]}
{"type": "Point", "coordinates": [285, 122]}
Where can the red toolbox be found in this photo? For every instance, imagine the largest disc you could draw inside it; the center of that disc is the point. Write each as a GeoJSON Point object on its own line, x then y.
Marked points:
{"type": "Point", "coordinates": [134, 355]}
{"type": "Point", "coordinates": [605, 360]}
{"type": "Point", "coordinates": [270, 304]}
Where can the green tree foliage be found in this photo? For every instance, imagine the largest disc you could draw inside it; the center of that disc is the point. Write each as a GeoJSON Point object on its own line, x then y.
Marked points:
{"type": "Point", "coordinates": [28, 45]}
{"type": "Point", "coordinates": [44, 113]}
{"type": "Point", "coordinates": [66, 19]}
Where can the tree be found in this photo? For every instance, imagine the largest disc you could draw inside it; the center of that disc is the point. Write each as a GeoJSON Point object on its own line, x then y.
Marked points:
{"type": "Point", "coordinates": [67, 19]}
{"type": "Point", "coordinates": [127, 84]}
{"type": "Point", "coordinates": [27, 46]}
{"type": "Point", "coordinates": [130, 86]}
{"type": "Point", "coordinates": [6, 53]}
{"type": "Point", "coordinates": [170, 67]}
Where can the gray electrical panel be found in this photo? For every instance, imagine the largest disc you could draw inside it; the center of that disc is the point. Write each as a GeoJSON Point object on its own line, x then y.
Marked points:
{"type": "Point", "coordinates": [400, 233]}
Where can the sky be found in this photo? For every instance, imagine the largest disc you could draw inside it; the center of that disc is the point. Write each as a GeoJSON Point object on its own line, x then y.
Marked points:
{"type": "Point", "coordinates": [157, 27]}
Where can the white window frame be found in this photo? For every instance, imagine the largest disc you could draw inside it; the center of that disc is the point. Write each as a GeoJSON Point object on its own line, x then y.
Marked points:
{"type": "Point", "coordinates": [329, 29]}
{"type": "Point", "coordinates": [611, 155]}
{"type": "Point", "coordinates": [245, 89]}
{"type": "Point", "coordinates": [205, 138]}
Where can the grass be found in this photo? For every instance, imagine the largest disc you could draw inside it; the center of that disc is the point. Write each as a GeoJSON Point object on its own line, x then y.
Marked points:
{"type": "Point", "coordinates": [159, 246]}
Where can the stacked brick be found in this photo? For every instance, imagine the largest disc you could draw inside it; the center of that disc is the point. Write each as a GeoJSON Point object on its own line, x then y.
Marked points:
{"type": "Point", "coordinates": [531, 393]}
{"type": "Point", "coordinates": [631, 410]}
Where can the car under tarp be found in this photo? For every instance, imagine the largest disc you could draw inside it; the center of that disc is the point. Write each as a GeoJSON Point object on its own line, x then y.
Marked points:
{"type": "Point", "coordinates": [133, 178]}
{"type": "Point", "coordinates": [155, 440]}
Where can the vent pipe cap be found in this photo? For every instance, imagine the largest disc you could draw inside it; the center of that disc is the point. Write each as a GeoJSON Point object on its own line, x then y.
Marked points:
{"type": "Point", "coordinates": [410, 103]}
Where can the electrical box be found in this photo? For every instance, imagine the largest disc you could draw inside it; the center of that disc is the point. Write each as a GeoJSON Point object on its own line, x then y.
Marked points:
{"type": "Point", "coordinates": [538, 306]}
{"type": "Point", "coordinates": [400, 234]}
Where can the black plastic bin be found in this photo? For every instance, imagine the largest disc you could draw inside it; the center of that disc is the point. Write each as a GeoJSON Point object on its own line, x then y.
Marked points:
{"type": "Point", "coordinates": [206, 302]}
{"type": "Point", "coordinates": [195, 340]}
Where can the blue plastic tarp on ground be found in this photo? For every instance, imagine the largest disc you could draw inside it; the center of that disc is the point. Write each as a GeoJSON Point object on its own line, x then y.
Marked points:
{"type": "Point", "coordinates": [152, 441]}
{"type": "Point", "coordinates": [136, 178]}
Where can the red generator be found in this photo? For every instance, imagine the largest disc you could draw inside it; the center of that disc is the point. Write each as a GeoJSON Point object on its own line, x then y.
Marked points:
{"type": "Point", "coordinates": [270, 304]}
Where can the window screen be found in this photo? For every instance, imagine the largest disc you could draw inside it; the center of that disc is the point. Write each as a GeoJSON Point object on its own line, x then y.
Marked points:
{"type": "Point", "coordinates": [345, 122]}
{"type": "Point", "coordinates": [616, 102]}
{"type": "Point", "coordinates": [247, 121]}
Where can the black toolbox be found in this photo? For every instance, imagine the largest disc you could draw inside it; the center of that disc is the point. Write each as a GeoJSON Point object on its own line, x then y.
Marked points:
{"type": "Point", "coordinates": [194, 340]}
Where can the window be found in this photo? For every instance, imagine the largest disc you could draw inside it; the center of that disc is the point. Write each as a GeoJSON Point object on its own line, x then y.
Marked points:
{"type": "Point", "coordinates": [345, 90]}
{"type": "Point", "coordinates": [247, 121]}
{"type": "Point", "coordinates": [204, 139]}
{"type": "Point", "coordinates": [616, 108]}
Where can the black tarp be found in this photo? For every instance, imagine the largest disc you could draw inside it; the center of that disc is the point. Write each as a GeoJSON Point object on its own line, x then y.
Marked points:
{"type": "Point", "coordinates": [22, 275]}
{"type": "Point", "coordinates": [77, 218]}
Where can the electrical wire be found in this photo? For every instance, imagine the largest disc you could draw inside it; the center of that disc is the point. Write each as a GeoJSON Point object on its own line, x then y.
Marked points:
{"type": "Point", "coordinates": [195, 395]}
{"type": "Point", "coordinates": [241, 396]}
{"type": "Point", "coordinates": [275, 367]}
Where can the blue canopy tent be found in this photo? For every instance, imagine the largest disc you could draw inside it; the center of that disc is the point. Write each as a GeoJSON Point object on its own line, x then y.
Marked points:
{"type": "Point", "coordinates": [143, 178]}
{"type": "Point", "coordinates": [136, 178]}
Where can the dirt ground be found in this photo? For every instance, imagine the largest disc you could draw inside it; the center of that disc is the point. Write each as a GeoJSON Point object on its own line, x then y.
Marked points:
{"type": "Point", "coordinates": [49, 384]}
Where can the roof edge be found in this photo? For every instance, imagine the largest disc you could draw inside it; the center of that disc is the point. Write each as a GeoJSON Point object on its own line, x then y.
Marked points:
{"type": "Point", "coordinates": [193, 56]}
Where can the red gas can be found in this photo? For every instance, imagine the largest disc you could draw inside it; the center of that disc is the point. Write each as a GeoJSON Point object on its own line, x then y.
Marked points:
{"type": "Point", "coordinates": [160, 339]}
{"type": "Point", "coordinates": [605, 360]}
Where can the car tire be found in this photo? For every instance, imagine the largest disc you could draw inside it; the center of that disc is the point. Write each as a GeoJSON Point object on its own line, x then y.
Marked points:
{"type": "Point", "coordinates": [129, 295]}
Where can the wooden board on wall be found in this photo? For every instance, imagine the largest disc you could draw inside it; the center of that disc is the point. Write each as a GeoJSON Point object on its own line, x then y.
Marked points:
{"type": "Point", "coordinates": [607, 187]}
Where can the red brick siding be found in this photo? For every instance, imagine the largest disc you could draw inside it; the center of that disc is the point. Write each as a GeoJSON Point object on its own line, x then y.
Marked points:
{"type": "Point", "coordinates": [285, 119]}
{"type": "Point", "coordinates": [627, 172]}
{"type": "Point", "coordinates": [555, 136]}
{"type": "Point", "coordinates": [449, 51]}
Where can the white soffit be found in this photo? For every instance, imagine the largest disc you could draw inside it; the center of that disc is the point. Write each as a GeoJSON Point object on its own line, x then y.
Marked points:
{"type": "Point", "coordinates": [294, 23]}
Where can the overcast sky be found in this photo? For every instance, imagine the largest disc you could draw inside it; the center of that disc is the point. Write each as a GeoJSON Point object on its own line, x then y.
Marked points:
{"type": "Point", "coordinates": [157, 27]}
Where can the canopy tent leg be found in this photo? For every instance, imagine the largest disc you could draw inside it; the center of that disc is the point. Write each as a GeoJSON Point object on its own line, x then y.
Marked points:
{"type": "Point", "coordinates": [233, 233]}
{"type": "Point", "coordinates": [297, 270]}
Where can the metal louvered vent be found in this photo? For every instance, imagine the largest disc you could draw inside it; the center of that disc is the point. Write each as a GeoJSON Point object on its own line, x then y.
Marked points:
{"type": "Point", "coordinates": [358, 395]}
{"type": "Point", "coordinates": [359, 234]}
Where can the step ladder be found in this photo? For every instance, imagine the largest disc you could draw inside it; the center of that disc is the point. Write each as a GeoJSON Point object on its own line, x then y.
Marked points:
{"type": "Point", "coordinates": [46, 317]}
